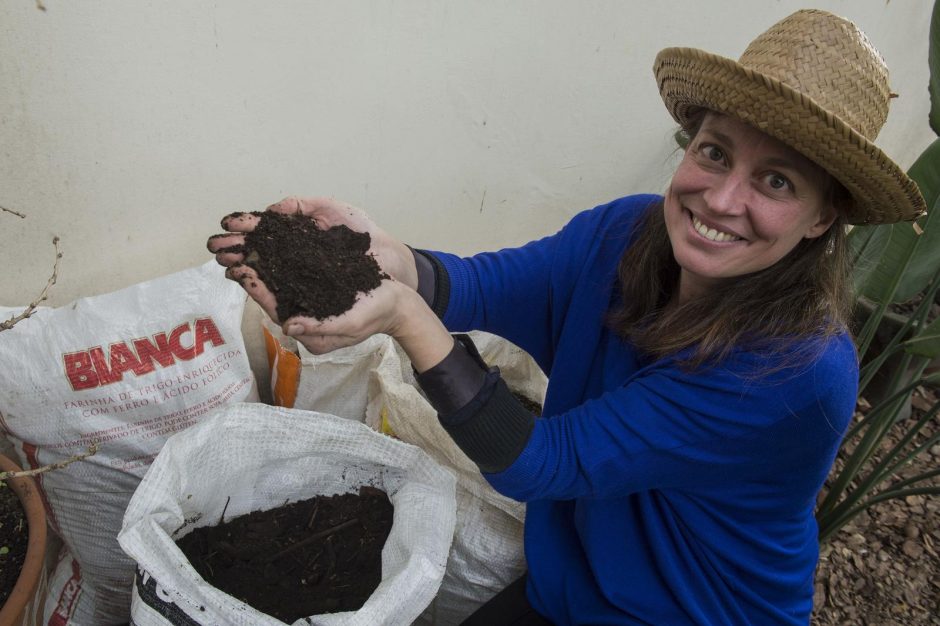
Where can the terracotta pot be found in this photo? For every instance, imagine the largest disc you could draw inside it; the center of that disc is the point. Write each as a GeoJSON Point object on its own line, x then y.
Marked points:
{"type": "Point", "coordinates": [11, 613]}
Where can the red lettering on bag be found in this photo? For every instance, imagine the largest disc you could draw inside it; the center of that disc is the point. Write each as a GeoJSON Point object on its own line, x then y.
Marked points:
{"type": "Point", "coordinates": [178, 349]}
{"type": "Point", "coordinates": [158, 350]}
{"type": "Point", "coordinates": [123, 360]}
{"type": "Point", "coordinates": [100, 361]}
{"type": "Point", "coordinates": [80, 371]}
{"type": "Point", "coordinates": [65, 606]}
{"type": "Point", "coordinates": [205, 330]}
{"type": "Point", "coordinates": [87, 369]}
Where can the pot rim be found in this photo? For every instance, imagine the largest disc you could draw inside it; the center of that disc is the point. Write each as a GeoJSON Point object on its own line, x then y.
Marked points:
{"type": "Point", "coordinates": [27, 491]}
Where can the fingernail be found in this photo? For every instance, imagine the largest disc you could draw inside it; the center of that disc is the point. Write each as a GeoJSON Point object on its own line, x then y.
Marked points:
{"type": "Point", "coordinates": [294, 330]}
{"type": "Point", "coordinates": [212, 239]}
{"type": "Point", "coordinates": [231, 216]}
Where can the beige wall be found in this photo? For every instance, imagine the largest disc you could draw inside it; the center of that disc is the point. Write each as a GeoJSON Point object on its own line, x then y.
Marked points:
{"type": "Point", "coordinates": [130, 128]}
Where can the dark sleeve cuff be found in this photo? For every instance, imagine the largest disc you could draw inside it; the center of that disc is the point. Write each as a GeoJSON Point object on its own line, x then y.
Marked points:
{"type": "Point", "coordinates": [433, 281]}
{"type": "Point", "coordinates": [453, 382]}
{"type": "Point", "coordinates": [493, 427]}
{"type": "Point", "coordinates": [425, 276]}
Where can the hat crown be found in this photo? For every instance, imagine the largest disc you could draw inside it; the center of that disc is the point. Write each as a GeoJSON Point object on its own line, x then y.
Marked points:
{"type": "Point", "coordinates": [828, 59]}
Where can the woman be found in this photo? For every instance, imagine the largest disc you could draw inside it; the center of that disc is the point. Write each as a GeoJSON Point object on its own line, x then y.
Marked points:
{"type": "Point", "coordinates": [700, 373]}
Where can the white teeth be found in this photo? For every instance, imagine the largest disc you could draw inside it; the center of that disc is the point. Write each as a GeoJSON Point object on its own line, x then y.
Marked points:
{"type": "Point", "coordinates": [710, 233]}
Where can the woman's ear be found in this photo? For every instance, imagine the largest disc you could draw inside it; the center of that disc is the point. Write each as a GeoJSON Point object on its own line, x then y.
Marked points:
{"type": "Point", "coordinates": [826, 217]}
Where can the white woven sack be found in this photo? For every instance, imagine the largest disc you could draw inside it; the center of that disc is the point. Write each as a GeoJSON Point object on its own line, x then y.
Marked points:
{"type": "Point", "coordinates": [487, 552]}
{"type": "Point", "coordinates": [254, 457]}
{"type": "Point", "coordinates": [338, 382]}
{"type": "Point", "coordinates": [124, 370]}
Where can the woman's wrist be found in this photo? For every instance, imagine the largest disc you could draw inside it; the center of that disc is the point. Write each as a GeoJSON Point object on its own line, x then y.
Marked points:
{"type": "Point", "coordinates": [420, 333]}
{"type": "Point", "coordinates": [398, 259]}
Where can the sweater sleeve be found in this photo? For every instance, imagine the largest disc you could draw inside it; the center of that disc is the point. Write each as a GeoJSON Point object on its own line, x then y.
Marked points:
{"type": "Point", "coordinates": [485, 288]}
{"type": "Point", "coordinates": [669, 429]}
{"type": "Point", "coordinates": [523, 294]}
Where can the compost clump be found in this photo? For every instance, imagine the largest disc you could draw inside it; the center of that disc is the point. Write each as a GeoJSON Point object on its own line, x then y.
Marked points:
{"type": "Point", "coordinates": [312, 272]}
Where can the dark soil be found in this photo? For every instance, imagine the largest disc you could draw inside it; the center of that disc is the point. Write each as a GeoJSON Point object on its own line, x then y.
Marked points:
{"type": "Point", "coordinates": [531, 405]}
{"type": "Point", "coordinates": [883, 567]}
{"type": "Point", "coordinates": [322, 555]}
{"type": "Point", "coordinates": [311, 272]}
{"type": "Point", "coordinates": [14, 537]}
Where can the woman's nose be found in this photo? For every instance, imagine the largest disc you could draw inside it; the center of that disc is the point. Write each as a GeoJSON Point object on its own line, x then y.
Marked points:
{"type": "Point", "coordinates": [727, 195]}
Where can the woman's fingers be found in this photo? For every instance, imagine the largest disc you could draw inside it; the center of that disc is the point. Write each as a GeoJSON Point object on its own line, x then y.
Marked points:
{"type": "Point", "coordinates": [248, 279]}
{"type": "Point", "coordinates": [291, 204]}
{"type": "Point", "coordinates": [326, 211]}
{"type": "Point", "coordinates": [228, 248]}
{"type": "Point", "coordinates": [240, 222]}
{"type": "Point", "coordinates": [321, 336]}
{"type": "Point", "coordinates": [372, 313]}
{"type": "Point", "coordinates": [317, 344]}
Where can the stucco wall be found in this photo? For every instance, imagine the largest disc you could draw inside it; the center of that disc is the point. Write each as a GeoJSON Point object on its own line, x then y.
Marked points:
{"type": "Point", "coordinates": [130, 128]}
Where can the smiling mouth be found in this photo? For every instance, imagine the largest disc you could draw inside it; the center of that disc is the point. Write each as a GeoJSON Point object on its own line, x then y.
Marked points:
{"type": "Point", "coordinates": [711, 234]}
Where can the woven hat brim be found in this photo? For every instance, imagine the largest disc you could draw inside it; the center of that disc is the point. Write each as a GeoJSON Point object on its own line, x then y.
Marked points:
{"type": "Point", "coordinates": [691, 79]}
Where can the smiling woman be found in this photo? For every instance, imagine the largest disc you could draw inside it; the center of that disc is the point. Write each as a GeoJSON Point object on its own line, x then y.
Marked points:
{"type": "Point", "coordinates": [739, 202]}
{"type": "Point", "coordinates": [701, 375]}
{"type": "Point", "coordinates": [749, 241]}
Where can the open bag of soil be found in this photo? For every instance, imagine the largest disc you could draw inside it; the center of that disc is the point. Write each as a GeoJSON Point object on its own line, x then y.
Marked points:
{"type": "Point", "coordinates": [254, 457]}
{"type": "Point", "coordinates": [374, 382]}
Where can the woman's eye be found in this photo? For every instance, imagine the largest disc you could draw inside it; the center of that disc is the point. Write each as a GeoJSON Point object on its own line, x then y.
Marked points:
{"type": "Point", "coordinates": [714, 153]}
{"type": "Point", "coordinates": [776, 181]}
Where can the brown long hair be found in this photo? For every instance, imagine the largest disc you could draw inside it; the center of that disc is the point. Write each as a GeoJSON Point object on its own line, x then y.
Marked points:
{"type": "Point", "coordinates": [806, 294]}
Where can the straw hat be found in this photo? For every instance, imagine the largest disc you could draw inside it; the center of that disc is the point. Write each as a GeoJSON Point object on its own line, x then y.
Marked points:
{"type": "Point", "coordinates": [815, 82]}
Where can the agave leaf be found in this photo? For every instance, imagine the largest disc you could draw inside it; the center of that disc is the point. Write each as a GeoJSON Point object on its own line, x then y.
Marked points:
{"type": "Point", "coordinates": [926, 343]}
{"type": "Point", "coordinates": [867, 245]}
{"type": "Point", "coordinates": [926, 257]}
{"type": "Point", "coordinates": [912, 253]}
{"type": "Point", "coordinates": [933, 56]}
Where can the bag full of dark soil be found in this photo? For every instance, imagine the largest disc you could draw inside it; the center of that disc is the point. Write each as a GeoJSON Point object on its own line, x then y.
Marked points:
{"type": "Point", "coordinates": [252, 458]}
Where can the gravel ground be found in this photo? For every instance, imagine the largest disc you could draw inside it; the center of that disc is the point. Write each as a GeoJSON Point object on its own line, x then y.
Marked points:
{"type": "Point", "coordinates": [883, 567]}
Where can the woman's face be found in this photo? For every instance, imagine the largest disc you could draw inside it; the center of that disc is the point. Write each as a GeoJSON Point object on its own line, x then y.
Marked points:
{"type": "Point", "coordinates": [739, 202]}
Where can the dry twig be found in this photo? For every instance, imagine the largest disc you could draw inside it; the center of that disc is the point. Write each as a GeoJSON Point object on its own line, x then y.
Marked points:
{"type": "Point", "coordinates": [92, 449]}
{"type": "Point", "coordinates": [314, 537]}
{"type": "Point", "coordinates": [16, 213]}
{"type": "Point", "coordinates": [29, 310]}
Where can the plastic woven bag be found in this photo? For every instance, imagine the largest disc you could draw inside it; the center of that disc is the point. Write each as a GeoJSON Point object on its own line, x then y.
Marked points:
{"type": "Point", "coordinates": [487, 552]}
{"type": "Point", "coordinates": [123, 370]}
{"type": "Point", "coordinates": [251, 457]}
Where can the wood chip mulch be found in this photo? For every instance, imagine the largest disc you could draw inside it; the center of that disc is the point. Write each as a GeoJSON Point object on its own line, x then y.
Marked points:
{"type": "Point", "coordinates": [883, 567]}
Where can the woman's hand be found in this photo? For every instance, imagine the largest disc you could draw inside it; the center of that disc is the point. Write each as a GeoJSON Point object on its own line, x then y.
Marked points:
{"type": "Point", "coordinates": [394, 308]}
{"type": "Point", "coordinates": [394, 257]}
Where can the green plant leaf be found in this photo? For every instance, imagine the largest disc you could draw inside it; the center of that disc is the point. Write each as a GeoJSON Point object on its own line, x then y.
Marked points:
{"type": "Point", "coordinates": [909, 259]}
{"type": "Point", "coordinates": [926, 343]}
{"type": "Point", "coordinates": [885, 274]}
{"type": "Point", "coordinates": [926, 257]}
{"type": "Point", "coordinates": [893, 263]}
{"type": "Point", "coordinates": [867, 245]}
{"type": "Point", "coordinates": [933, 57]}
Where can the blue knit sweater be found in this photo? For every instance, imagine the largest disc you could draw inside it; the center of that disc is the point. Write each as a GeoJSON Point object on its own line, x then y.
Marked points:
{"type": "Point", "coordinates": [655, 495]}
